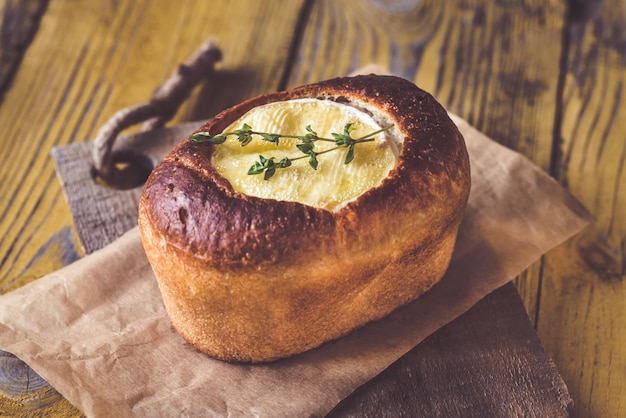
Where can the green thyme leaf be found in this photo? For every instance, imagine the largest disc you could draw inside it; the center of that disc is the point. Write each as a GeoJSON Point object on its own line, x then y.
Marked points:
{"type": "Point", "coordinates": [256, 168]}
{"type": "Point", "coordinates": [349, 154]}
{"type": "Point", "coordinates": [207, 137]}
{"type": "Point", "coordinates": [284, 163]}
{"type": "Point", "coordinates": [313, 160]}
{"type": "Point", "coordinates": [270, 137]}
{"type": "Point", "coordinates": [305, 148]}
{"type": "Point", "coordinates": [270, 169]}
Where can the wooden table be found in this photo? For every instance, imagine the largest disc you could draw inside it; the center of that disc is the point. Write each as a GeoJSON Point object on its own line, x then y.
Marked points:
{"type": "Point", "coordinates": [546, 78]}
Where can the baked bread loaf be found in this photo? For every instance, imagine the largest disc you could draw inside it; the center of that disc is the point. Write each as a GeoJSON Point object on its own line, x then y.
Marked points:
{"type": "Point", "coordinates": [256, 278]}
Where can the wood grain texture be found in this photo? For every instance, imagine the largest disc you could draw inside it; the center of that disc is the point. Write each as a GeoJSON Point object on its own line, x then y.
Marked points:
{"type": "Point", "coordinates": [582, 318]}
{"type": "Point", "coordinates": [19, 20]}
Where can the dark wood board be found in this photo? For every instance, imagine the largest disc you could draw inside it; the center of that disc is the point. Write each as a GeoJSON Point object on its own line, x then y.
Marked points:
{"type": "Point", "coordinates": [487, 363]}
{"type": "Point", "coordinates": [102, 214]}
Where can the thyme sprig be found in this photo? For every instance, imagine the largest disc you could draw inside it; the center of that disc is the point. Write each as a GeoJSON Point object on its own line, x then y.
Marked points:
{"type": "Point", "coordinates": [306, 145]}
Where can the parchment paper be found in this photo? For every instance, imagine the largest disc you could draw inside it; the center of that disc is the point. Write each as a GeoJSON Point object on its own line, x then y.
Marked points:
{"type": "Point", "coordinates": [97, 330]}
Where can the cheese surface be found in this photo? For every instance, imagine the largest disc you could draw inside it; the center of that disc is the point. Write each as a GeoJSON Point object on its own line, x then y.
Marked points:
{"type": "Point", "coordinates": [333, 184]}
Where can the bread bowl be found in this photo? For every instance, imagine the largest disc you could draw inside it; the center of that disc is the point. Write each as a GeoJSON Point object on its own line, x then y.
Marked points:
{"type": "Point", "coordinates": [254, 279]}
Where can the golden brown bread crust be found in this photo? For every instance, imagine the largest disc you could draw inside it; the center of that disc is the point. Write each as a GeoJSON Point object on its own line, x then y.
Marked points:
{"type": "Point", "coordinates": [251, 279]}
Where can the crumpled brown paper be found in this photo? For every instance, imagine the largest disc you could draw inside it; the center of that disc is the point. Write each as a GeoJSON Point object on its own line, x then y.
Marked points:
{"type": "Point", "coordinates": [98, 332]}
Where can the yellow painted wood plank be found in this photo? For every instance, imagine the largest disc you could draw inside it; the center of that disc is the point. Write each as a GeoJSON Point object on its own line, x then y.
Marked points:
{"type": "Point", "coordinates": [582, 319]}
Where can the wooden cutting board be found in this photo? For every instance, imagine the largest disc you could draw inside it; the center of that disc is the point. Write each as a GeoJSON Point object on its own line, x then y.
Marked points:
{"type": "Point", "coordinates": [488, 362]}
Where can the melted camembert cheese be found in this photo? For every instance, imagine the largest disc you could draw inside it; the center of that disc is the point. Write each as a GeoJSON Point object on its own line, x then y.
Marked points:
{"type": "Point", "coordinates": [333, 184]}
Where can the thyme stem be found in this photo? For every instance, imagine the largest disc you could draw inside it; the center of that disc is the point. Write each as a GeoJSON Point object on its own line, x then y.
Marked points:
{"type": "Point", "coordinates": [306, 146]}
